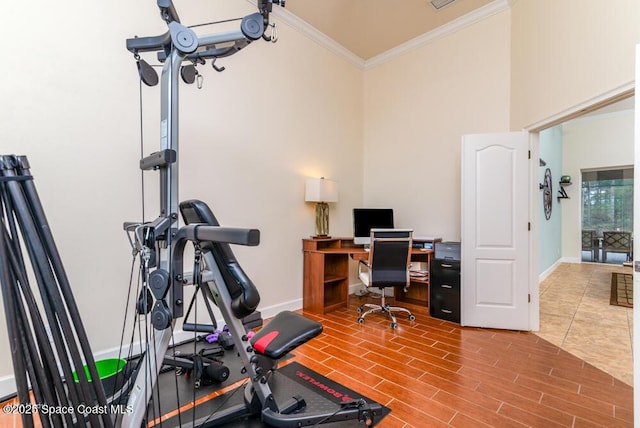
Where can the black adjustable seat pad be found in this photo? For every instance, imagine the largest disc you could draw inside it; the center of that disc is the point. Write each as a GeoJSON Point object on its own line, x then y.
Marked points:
{"type": "Point", "coordinates": [285, 331]}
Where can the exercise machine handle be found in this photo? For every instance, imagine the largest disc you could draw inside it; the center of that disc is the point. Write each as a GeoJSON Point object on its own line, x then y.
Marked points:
{"type": "Point", "coordinates": [148, 44]}
{"type": "Point", "coordinates": [230, 235]}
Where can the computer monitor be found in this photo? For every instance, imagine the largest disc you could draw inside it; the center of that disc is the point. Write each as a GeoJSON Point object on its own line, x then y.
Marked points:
{"type": "Point", "coordinates": [365, 219]}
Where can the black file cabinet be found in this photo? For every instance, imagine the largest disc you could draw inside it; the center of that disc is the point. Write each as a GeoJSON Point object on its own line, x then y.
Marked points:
{"type": "Point", "coordinates": [444, 294]}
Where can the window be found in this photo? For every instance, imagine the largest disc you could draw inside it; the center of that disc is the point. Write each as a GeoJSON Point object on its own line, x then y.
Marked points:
{"type": "Point", "coordinates": [607, 200]}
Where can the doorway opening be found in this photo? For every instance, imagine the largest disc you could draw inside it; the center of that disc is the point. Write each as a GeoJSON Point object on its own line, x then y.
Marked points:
{"type": "Point", "coordinates": [600, 140]}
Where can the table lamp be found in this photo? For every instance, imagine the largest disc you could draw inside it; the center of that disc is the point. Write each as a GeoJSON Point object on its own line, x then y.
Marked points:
{"type": "Point", "coordinates": [322, 191]}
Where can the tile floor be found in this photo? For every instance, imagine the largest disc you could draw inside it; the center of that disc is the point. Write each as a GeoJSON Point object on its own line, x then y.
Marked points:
{"type": "Point", "coordinates": [576, 316]}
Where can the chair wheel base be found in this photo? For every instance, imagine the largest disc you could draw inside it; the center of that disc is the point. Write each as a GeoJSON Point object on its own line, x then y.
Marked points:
{"type": "Point", "coordinates": [385, 309]}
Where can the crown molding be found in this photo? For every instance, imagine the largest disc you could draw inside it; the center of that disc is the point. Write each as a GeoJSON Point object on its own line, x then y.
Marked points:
{"type": "Point", "coordinates": [470, 18]}
{"type": "Point", "coordinates": [323, 40]}
{"type": "Point", "coordinates": [312, 33]}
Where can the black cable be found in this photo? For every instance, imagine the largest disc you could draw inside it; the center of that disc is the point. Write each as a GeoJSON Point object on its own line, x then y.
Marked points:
{"type": "Point", "coordinates": [156, 369]}
{"type": "Point", "coordinates": [197, 284]}
{"type": "Point", "coordinates": [141, 148]}
{"type": "Point", "coordinates": [175, 378]}
{"type": "Point", "coordinates": [147, 366]}
{"type": "Point", "coordinates": [139, 282]}
{"type": "Point", "coordinates": [214, 22]}
{"type": "Point", "coordinates": [221, 405]}
{"type": "Point", "coordinates": [136, 322]}
{"type": "Point", "coordinates": [124, 325]}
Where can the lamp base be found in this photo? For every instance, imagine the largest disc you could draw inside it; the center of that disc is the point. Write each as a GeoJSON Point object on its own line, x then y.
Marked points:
{"type": "Point", "coordinates": [322, 219]}
{"type": "Point", "coordinates": [320, 237]}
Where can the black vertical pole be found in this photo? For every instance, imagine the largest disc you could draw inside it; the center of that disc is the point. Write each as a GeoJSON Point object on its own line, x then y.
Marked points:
{"type": "Point", "coordinates": [52, 300]}
{"type": "Point", "coordinates": [50, 375]}
{"type": "Point", "coordinates": [35, 360]}
{"type": "Point", "coordinates": [17, 356]}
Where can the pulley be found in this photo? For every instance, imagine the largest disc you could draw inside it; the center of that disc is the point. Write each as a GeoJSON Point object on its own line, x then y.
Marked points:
{"type": "Point", "coordinates": [147, 74]}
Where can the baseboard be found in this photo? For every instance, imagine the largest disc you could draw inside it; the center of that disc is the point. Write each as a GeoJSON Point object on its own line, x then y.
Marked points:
{"type": "Point", "coordinates": [359, 288]}
{"type": "Point", "coordinates": [356, 288]}
{"type": "Point", "coordinates": [273, 310]}
{"type": "Point", "coordinates": [543, 275]}
{"type": "Point", "coordinates": [8, 383]}
{"type": "Point", "coordinates": [7, 386]}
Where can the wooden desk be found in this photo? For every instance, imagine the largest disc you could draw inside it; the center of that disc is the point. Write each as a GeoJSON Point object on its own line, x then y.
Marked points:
{"type": "Point", "coordinates": [326, 274]}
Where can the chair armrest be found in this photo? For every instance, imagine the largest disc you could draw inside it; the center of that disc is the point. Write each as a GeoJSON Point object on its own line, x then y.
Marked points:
{"type": "Point", "coordinates": [364, 272]}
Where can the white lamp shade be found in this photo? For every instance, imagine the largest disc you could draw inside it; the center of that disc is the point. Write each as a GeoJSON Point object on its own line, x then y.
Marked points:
{"type": "Point", "coordinates": [321, 190]}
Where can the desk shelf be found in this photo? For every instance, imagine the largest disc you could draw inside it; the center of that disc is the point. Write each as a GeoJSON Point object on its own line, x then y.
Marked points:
{"type": "Point", "coordinates": [418, 291]}
{"type": "Point", "coordinates": [326, 275]}
{"type": "Point", "coordinates": [328, 279]}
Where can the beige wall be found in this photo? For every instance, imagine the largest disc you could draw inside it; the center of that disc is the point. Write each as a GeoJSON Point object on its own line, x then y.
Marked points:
{"type": "Point", "coordinates": [417, 107]}
{"type": "Point", "coordinates": [604, 141]}
{"type": "Point", "coordinates": [564, 53]}
{"type": "Point", "coordinates": [249, 137]}
{"type": "Point", "coordinates": [279, 113]}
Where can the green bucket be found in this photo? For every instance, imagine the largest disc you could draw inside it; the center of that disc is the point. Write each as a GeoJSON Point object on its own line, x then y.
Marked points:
{"type": "Point", "coordinates": [110, 371]}
{"type": "Point", "coordinates": [105, 368]}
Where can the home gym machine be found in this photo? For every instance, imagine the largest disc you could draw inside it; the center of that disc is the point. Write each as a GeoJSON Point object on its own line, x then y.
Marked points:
{"type": "Point", "coordinates": [160, 246]}
{"type": "Point", "coordinates": [49, 346]}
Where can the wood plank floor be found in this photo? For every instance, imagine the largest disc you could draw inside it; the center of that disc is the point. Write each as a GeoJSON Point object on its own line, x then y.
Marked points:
{"type": "Point", "coordinates": [435, 373]}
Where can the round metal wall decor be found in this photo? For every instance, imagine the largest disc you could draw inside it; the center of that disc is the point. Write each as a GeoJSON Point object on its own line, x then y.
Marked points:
{"type": "Point", "coordinates": [547, 197]}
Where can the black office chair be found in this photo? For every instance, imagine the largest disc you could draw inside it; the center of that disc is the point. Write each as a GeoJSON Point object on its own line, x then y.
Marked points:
{"type": "Point", "coordinates": [388, 266]}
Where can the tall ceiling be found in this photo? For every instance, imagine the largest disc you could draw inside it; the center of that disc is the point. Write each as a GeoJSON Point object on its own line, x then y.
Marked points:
{"type": "Point", "coordinates": [370, 27]}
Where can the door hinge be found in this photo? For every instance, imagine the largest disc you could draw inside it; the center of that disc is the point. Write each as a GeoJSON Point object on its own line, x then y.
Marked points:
{"type": "Point", "coordinates": [529, 226]}
{"type": "Point", "coordinates": [529, 154]}
{"type": "Point", "coordinates": [529, 298]}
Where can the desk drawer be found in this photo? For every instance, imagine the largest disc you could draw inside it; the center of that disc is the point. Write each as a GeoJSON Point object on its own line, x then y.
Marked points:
{"type": "Point", "coordinates": [445, 272]}
{"type": "Point", "coordinates": [444, 287]}
{"type": "Point", "coordinates": [445, 305]}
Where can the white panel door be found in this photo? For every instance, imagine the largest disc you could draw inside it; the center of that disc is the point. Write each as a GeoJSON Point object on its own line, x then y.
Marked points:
{"type": "Point", "coordinates": [495, 231]}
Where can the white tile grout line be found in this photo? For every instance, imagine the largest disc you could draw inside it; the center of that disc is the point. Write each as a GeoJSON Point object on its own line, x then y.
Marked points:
{"type": "Point", "coordinates": [584, 291]}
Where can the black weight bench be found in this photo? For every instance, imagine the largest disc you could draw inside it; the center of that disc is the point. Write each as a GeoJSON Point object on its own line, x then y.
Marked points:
{"type": "Point", "coordinates": [285, 332]}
